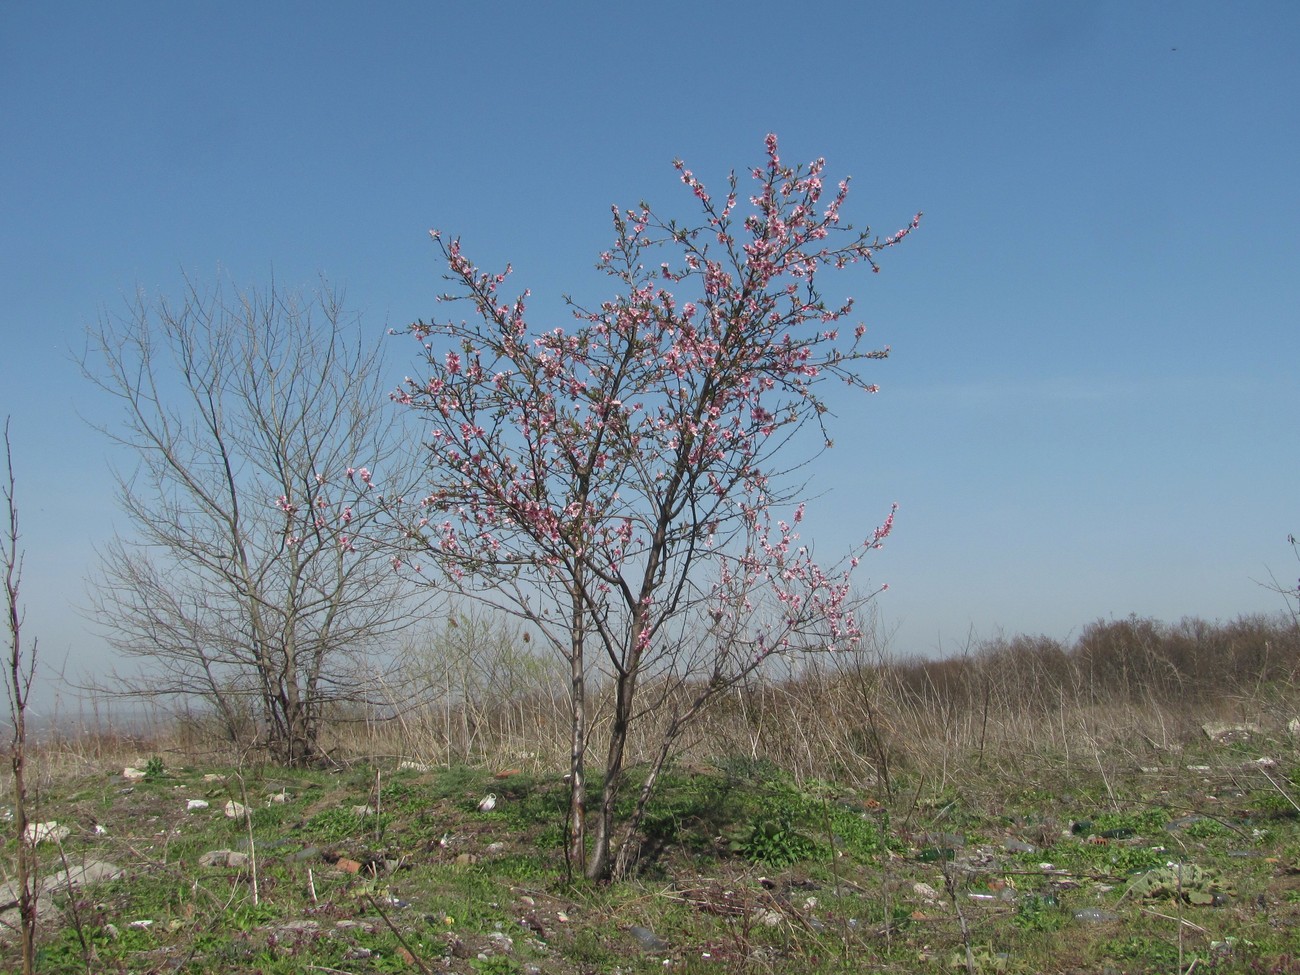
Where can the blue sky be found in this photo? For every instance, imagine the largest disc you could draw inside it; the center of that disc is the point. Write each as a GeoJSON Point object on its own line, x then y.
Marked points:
{"type": "Point", "coordinates": [1091, 406]}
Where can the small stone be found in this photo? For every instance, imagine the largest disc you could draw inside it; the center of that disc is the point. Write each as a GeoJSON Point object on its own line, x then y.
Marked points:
{"type": "Point", "coordinates": [235, 810]}
{"type": "Point", "coordinates": [363, 811]}
{"type": "Point", "coordinates": [133, 774]}
{"type": "Point", "coordinates": [925, 892]}
{"type": "Point", "coordinates": [213, 777]}
{"type": "Point", "coordinates": [348, 865]}
{"type": "Point", "coordinates": [194, 804]}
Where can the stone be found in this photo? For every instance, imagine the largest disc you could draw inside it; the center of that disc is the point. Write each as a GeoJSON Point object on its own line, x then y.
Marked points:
{"type": "Point", "coordinates": [50, 832]}
{"type": "Point", "coordinates": [224, 858]}
{"type": "Point", "coordinates": [195, 804]}
{"type": "Point", "coordinates": [235, 810]}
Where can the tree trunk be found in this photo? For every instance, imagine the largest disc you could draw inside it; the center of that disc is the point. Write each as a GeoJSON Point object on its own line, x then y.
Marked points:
{"type": "Point", "coordinates": [576, 852]}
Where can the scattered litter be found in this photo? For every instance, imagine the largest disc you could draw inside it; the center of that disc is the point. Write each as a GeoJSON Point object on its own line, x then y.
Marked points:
{"type": "Point", "coordinates": [1094, 915]}
{"type": "Point", "coordinates": [648, 939]}
{"type": "Point", "coordinates": [488, 802]}
{"type": "Point", "coordinates": [409, 766]}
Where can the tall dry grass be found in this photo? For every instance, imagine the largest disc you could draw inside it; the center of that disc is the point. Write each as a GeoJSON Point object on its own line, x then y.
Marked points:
{"type": "Point", "coordinates": [1131, 691]}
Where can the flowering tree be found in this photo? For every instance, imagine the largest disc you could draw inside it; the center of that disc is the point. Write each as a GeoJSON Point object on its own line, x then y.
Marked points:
{"type": "Point", "coordinates": [616, 484]}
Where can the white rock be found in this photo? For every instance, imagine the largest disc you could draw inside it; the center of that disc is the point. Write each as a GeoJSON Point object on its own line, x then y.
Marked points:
{"type": "Point", "coordinates": [236, 810]}
{"type": "Point", "coordinates": [50, 832]}
{"type": "Point", "coordinates": [194, 804]}
{"type": "Point", "coordinates": [133, 774]}
{"type": "Point", "coordinates": [363, 811]}
{"type": "Point", "coordinates": [925, 891]}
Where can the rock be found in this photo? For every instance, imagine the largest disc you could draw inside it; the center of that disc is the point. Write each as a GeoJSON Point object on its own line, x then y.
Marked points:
{"type": "Point", "coordinates": [409, 766]}
{"type": "Point", "coordinates": [194, 804]}
{"type": "Point", "coordinates": [50, 832]}
{"type": "Point", "coordinates": [224, 858]}
{"type": "Point", "coordinates": [236, 810]}
{"type": "Point", "coordinates": [83, 875]}
{"type": "Point", "coordinates": [213, 777]}
{"type": "Point", "coordinates": [133, 774]}
{"type": "Point", "coordinates": [925, 892]}
{"type": "Point", "coordinates": [363, 811]}
{"type": "Point", "coordinates": [348, 865]}
{"type": "Point", "coordinates": [1225, 733]}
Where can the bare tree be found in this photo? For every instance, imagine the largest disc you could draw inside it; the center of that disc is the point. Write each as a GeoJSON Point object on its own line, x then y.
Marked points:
{"type": "Point", "coordinates": [248, 580]}
{"type": "Point", "coordinates": [20, 669]}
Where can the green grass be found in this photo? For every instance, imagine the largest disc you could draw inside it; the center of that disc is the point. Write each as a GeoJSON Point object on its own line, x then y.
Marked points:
{"type": "Point", "coordinates": [745, 868]}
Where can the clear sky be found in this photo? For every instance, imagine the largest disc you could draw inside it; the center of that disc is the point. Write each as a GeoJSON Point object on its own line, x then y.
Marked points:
{"type": "Point", "coordinates": [1091, 408]}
